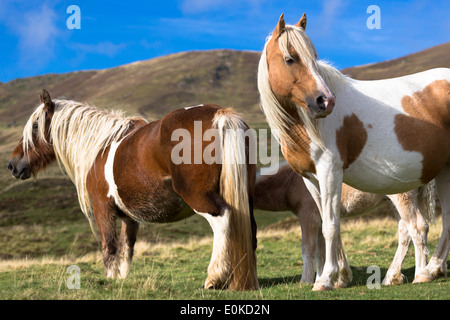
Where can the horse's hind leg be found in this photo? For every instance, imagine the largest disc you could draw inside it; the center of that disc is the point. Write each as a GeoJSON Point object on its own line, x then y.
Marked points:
{"type": "Point", "coordinates": [406, 205]}
{"type": "Point", "coordinates": [219, 269]}
{"type": "Point", "coordinates": [217, 213]}
{"type": "Point", "coordinates": [437, 266]}
{"type": "Point", "coordinates": [394, 274]}
{"type": "Point", "coordinates": [127, 240]}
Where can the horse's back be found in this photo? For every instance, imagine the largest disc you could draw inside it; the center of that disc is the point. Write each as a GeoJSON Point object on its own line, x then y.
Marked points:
{"type": "Point", "coordinates": [185, 117]}
{"type": "Point", "coordinates": [391, 91]}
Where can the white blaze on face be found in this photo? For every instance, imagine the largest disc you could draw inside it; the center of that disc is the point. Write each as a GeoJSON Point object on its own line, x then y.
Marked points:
{"type": "Point", "coordinates": [321, 85]}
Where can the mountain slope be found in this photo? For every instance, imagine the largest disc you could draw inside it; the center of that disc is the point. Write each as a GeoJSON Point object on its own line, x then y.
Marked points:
{"type": "Point", "coordinates": [154, 87]}
{"type": "Point", "coordinates": [438, 56]}
{"type": "Point", "coordinates": [150, 88]}
{"type": "Point", "coordinates": [36, 216]}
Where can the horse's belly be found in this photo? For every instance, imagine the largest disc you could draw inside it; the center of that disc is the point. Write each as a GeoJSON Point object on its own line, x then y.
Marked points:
{"type": "Point", "coordinates": [386, 173]}
{"type": "Point", "coordinates": [163, 211]}
{"type": "Point", "coordinates": [156, 202]}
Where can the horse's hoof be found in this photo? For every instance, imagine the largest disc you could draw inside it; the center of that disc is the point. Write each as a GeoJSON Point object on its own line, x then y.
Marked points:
{"type": "Point", "coordinates": [340, 285]}
{"type": "Point", "coordinates": [322, 287]}
{"type": "Point", "coordinates": [214, 285]}
{"type": "Point", "coordinates": [394, 280]}
{"type": "Point", "coordinates": [209, 285]}
{"type": "Point", "coordinates": [422, 279]}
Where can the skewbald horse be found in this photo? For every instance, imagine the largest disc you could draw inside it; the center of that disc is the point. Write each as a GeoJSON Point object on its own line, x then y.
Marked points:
{"type": "Point", "coordinates": [387, 136]}
{"type": "Point", "coordinates": [122, 168]}
{"type": "Point", "coordinates": [286, 190]}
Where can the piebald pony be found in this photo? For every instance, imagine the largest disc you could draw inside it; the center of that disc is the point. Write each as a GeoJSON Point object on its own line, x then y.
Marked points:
{"type": "Point", "coordinates": [123, 168]}
{"type": "Point", "coordinates": [386, 136]}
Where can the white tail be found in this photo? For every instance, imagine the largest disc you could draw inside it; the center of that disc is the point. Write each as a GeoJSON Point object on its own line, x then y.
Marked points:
{"type": "Point", "coordinates": [234, 188]}
{"type": "Point", "coordinates": [427, 202]}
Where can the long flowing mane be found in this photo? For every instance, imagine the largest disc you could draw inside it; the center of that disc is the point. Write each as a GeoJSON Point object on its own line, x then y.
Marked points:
{"type": "Point", "coordinates": [277, 117]}
{"type": "Point", "coordinates": [78, 133]}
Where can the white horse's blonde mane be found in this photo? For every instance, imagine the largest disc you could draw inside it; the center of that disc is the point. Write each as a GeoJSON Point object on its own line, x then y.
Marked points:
{"type": "Point", "coordinates": [277, 117]}
{"type": "Point", "coordinates": [78, 133]}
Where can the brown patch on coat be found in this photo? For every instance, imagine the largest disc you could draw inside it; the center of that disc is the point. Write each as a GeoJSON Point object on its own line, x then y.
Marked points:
{"type": "Point", "coordinates": [426, 127]}
{"type": "Point", "coordinates": [298, 153]}
{"type": "Point", "coordinates": [351, 139]}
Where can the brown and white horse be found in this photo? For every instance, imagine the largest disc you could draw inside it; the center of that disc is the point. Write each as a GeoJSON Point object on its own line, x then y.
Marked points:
{"type": "Point", "coordinates": [286, 191]}
{"type": "Point", "coordinates": [387, 136]}
{"type": "Point", "coordinates": [123, 168]}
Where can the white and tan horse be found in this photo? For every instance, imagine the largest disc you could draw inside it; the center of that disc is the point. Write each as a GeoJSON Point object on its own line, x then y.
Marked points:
{"type": "Point", "coordinates": [286, 191]}
{"type": "Point", "coordinates": [387, 136]}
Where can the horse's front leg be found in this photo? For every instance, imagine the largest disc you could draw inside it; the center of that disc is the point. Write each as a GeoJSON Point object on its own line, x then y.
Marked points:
{"type": "Point", "coordinates": [106, 222]}
{"type": "Point", "coordinates": [127, 240]}
{"type": "Point", "coordinates": [330, 183]}
{"type": "Point", "coordinates": [310, 223]}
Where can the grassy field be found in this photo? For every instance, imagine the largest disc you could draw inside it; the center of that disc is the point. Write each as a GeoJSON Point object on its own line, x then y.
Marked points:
{"type": "Point", "coordinates": [171, 260]}
{"type": "Point", "coordinates": [43, 232]}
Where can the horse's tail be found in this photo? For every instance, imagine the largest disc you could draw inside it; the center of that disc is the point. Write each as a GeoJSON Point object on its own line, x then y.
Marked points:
{"type": "Point", "coordinates": [427, 202]}
{"type": "Point", "coordinates": [235, 186]}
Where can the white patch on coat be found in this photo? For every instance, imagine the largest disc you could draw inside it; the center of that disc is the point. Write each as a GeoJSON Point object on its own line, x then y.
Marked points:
{"type": "Point", "coordinates": [109, 176]}
{"type": "Point", "coordinates": [199, 105]}
{"type": "Point", "coordinates": [219, 266]}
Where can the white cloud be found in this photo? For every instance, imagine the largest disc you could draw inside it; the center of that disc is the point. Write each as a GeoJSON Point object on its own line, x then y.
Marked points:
{"type": "Point", "coordinates": [37, 34]}
{"type": "Point", "coordinates": [330, 11]}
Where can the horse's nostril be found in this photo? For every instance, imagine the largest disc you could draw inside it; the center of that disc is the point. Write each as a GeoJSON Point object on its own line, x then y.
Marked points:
{"type": "Point", "coordinates": [321, 102]}
{"type": "Point", "coordinates": [10, 166]}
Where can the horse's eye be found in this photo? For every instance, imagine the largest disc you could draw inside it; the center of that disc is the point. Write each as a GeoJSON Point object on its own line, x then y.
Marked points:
{"type": "Point", "coordinates": [35, 126]}
{"type": "Point", "coordinates": [289, 61]}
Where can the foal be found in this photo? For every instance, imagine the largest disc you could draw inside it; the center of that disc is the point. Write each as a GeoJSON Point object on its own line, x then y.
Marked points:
{"type": "Point", "coordinates": [127, 168]}
{"type": "Point", "coordinates": [286, 190]}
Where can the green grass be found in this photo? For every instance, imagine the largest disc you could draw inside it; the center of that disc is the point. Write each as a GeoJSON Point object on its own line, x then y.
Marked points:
{"type": "Point", "coordinates": [176, 269]}
{"type": "Point", "coordinates": [42, 232]}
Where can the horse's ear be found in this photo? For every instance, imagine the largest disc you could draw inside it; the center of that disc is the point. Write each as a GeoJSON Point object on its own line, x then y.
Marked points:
{"type": "Point", "coordinates": [280, 27]}
{"type": "Point", "coordinates": [47, 101]}
{"type": "Point", "coordinates": [302, 22]}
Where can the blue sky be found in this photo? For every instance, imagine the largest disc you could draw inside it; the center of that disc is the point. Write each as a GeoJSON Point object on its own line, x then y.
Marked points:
{"type": "Point", "coordinates": [35, 39]}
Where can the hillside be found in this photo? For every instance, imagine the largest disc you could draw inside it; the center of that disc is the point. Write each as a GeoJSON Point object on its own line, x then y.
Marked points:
{"type": "Point", "coordinates": [154, 87]}
{"type": "Point", "coordinates": [438, 56]}
{"type": "Point", "coordinates": [149, 88]}
{"type": "Point", "coordinates": [45, 215]}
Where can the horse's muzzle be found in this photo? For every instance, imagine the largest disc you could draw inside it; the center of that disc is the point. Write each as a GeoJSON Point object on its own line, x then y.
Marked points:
{"type": "Point", "coordinates": [21, 170]}
{"type": "Point", "coordinates": [322, 105]}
